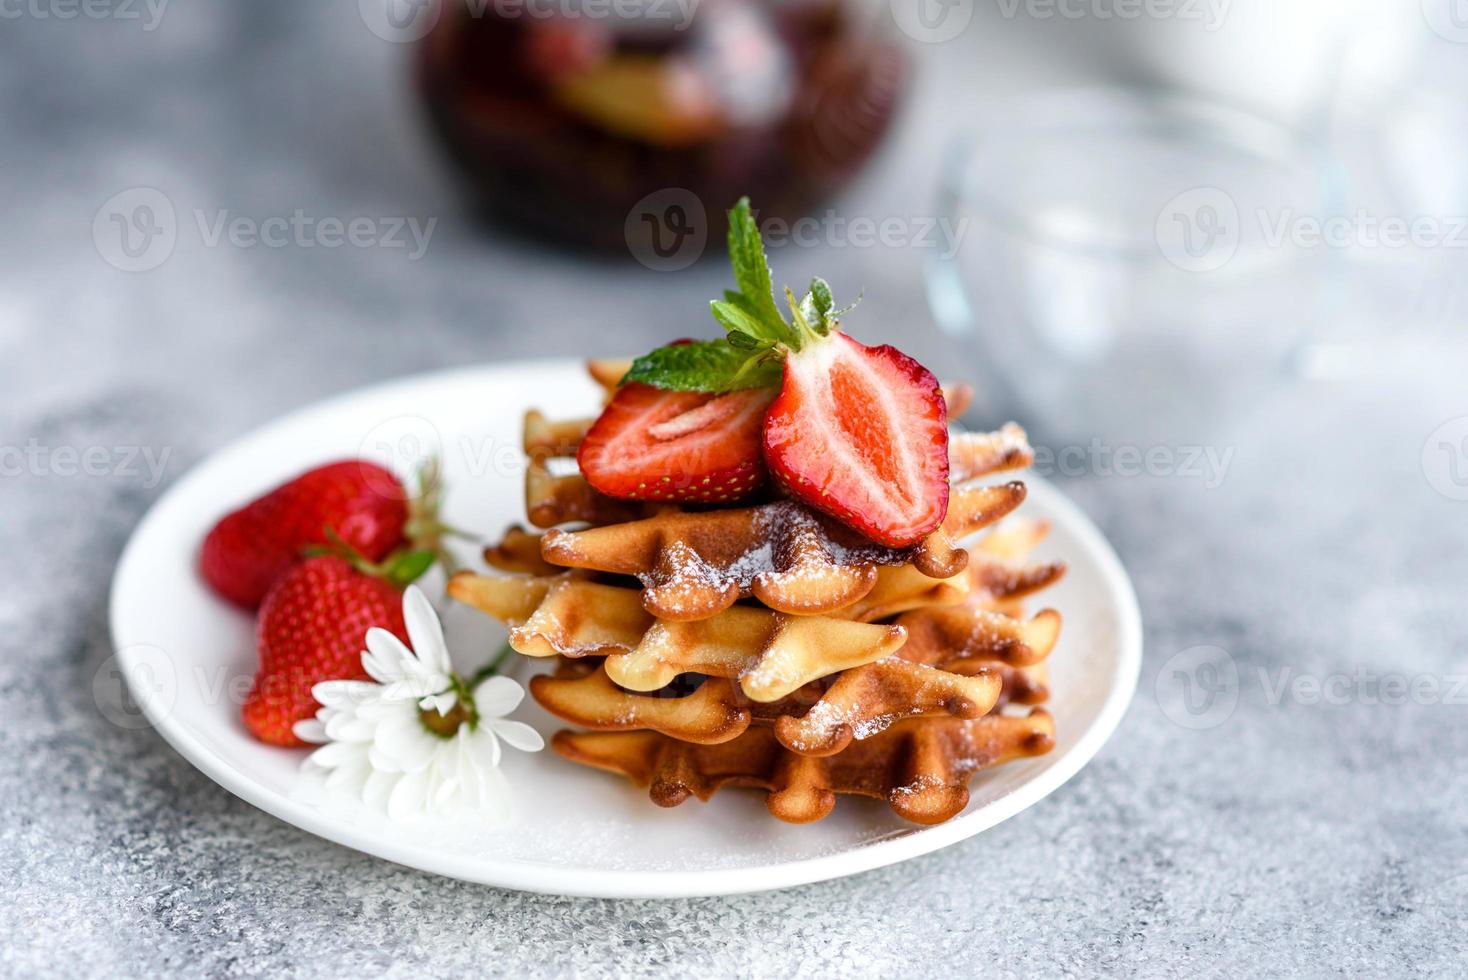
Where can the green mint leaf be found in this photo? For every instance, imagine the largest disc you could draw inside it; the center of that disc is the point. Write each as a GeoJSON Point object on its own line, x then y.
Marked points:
{"type": "Point", "coordinates": [736, 319]}
{"type": "Point", "coordinates": [752, 276]}
{"type": "Point", "coordinates": [710, 366]}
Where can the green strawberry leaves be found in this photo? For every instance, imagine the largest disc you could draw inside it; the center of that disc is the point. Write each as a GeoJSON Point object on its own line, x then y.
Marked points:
{"type": "Point", "coordinates": [714, 365]}
{"type": "Point", "coordinates": [400, 569]}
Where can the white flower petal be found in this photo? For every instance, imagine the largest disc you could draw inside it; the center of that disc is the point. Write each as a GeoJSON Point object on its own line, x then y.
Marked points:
{"type": "Point", "coordinates": [386, 708]}
{"type": "Point", "coordinates": [382, 762]}
{"type": "Point", "coordinates": [350, 728]}
{"type": "Point", "coordinates": [349, 779]}
{"type": "Point", "coordinates": [408, 797]}
{"type": "Point", "coordinates": [518, 734]}
{"type": "Point", "coordinates": [406, 742]}
{"type": "Point", "coordinates": [386, 659]}
{"type": "Point", "coordinates": [334, 754]}
{"type": "Point", "coordinates": [443, 703]}
{"type": "Point", "coordinates": [344, 694]}
{"type": "Point", "coordinates": [497, 696]}
{"type": "Point", "coordinates": [486, 747]}
{"type": "Point", "coordinates": [310, 730]}
{"type": "Point", "coordinates": [378, 788]}
{"type": "Point", "coordinates": [425, 631]}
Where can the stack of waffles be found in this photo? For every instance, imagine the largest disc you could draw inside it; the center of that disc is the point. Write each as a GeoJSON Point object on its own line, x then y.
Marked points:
{"type": "Point", "coordinates": [765, 645]}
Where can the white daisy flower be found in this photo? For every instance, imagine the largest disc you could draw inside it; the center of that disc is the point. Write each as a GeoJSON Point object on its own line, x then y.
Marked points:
{"type": "Point", "coordinates": [415, 739]}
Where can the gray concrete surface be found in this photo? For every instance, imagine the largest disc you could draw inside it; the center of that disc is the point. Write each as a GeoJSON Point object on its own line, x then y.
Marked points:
{"type": "Point", "coordinates": [1300, 835]}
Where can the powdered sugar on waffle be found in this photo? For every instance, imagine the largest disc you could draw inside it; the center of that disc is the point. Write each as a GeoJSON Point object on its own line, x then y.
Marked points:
{"type": "Point", "coordinates": [789, 541]}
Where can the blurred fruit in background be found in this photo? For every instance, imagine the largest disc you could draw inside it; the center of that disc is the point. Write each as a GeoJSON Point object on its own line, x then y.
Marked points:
{"type": "Point", "coordinates": [562, 122]}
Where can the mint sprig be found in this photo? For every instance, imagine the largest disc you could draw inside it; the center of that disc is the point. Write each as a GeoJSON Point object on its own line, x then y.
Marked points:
{"type": "Point", "coordinates": [752, 307]}
{"type": "Point", "coordinates": [714, 365]}
{"type": "Point", "coordinates": [758, 337]}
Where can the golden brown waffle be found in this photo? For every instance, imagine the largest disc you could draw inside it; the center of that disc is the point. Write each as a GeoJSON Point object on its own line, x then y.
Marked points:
{"type": "Point", "coordinates": [975, 454]}
{"type": "Point", "coordinates": [820, 719]}
{"type": "Point", "coordinates": [519, 551]}
{"type": "Point", "coordinates": [552, 499]}
{"type": "Point", "coordinates": [898, 588]}
{"type": "Point", "coordinates": [771, 655]}
{"type": "Point", "coordinates": [609, 372]}
{"type": "Point", "coordinates": [998, 584]}
{"type": "Point", "coordinates": [1022, 685]}
{"type": "Point", "coordinates": [693, 565]}
{"type": "Point", "coordinates": [921, 766]}
{"type": "Point", "coordinates": [951, 635]}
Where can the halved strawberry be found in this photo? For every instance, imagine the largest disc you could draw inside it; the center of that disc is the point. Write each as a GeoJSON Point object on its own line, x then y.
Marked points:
{"type": "Point", "coordinates": [861, 433]}
{"type": "Point", "coordinates": [676, 446]}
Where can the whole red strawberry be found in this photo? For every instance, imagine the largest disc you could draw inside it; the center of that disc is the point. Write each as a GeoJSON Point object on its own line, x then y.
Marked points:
{"type": "Point", "coordinates": [364, 504]}
{"type": "Point", "coordinates": [311, 628]}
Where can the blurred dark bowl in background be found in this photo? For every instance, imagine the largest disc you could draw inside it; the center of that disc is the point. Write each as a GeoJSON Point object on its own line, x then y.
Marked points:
{"type": "Point", "coordinates": [562, 125]}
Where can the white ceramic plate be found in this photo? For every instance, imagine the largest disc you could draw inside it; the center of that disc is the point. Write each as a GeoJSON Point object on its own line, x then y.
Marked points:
{"type": "Point", "coordinates": [188, 658]}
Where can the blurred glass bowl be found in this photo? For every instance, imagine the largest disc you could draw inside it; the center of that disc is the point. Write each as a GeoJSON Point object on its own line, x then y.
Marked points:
{"type": "Point", "coordinates": [1127, 257]}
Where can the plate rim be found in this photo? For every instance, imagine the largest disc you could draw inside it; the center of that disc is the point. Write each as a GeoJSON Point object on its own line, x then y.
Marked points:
{"type": "Point", "coordinates": [530, 876]}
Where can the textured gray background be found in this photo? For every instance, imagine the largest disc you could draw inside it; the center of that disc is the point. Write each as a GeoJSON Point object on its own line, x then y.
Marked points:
{"type": "Point", "coordinates": [1291, 839]}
